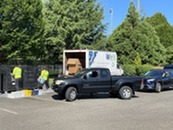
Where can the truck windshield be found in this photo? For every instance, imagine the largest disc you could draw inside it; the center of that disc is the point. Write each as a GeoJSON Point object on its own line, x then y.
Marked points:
{"type": "Point", "coordinates": [80, 73]}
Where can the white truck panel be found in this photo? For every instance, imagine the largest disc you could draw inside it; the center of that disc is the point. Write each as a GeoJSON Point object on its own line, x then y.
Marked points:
{"type": "Point", "coordinates": [104, 59]}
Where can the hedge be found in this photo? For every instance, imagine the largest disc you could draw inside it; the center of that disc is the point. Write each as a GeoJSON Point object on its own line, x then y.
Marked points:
{"type": "Point", "coordinates": [130, 70]}
{"type": "Point", "coordinates": [142, 69]}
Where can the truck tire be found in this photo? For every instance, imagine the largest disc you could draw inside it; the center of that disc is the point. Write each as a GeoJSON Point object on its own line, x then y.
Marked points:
{"type": "Point", "coordinates": [158, 87]}
{"type": "Point", "coordinates": [71, 94]}
{"type": "Point", "coordinates": [125, 92]}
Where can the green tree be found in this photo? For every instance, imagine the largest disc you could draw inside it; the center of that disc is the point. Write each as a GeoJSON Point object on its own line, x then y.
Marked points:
{"type": "Point", "coordinates": [136, 36]}
{"type": "Point", "coordinates": [164, 31]}
{"type": "Point", "coordinates": [137, 60]}
{"type": "Point", "coordinates": [21, 27]}
{"type": "Point", "coordinates": [71, 24]}
{"type": "Point", "coordinates": [163, 28]}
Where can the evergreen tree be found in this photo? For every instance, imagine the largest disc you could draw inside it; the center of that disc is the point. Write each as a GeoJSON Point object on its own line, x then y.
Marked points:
{"type": "Point", "coordinates": [165, 33]}
{"type": "Point", "coordinates": [20, 29]}
{"type": "Point", "coordinates": [163, 29]}
{"type": "Point", "coordinates": [71, 24]}
{"type": "Point", "coordinates": [135, 38]}
{"type": "Point", "coordinates": [148, 44]}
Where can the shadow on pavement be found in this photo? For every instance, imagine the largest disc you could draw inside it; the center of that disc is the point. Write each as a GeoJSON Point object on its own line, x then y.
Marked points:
{"type": "Point", "coordinates": [84, 96]}
{"type": "Point", "coordinates": [152, 91]}
{"type": "Point", "coordinates": [57, 97]}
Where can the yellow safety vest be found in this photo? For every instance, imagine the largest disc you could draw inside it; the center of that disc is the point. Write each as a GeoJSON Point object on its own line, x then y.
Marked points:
{"type": "Point", "coordinates": [44, 74]}
{"type": "Point", "coordinates": [17, 72]}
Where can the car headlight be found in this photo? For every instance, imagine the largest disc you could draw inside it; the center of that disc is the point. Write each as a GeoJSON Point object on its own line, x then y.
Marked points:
{"type": "Point", "coordinates": [150, 80]}
{"type": "Point", "coordinates": [58, 82]}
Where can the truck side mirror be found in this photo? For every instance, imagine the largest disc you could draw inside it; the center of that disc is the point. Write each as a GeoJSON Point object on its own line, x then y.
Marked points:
{"type": "Point", "coordinates": [85, 76]}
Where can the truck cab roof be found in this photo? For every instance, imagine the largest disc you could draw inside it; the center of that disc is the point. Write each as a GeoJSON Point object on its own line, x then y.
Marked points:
{"type": "Point", "coordinates": [97, 68]}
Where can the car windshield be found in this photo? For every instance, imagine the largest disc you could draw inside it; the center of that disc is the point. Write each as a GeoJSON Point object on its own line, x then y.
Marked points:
{"type": "Point", "coordinates": [154, 73]}
{"type": "Point", "coordinates": [170, 71]}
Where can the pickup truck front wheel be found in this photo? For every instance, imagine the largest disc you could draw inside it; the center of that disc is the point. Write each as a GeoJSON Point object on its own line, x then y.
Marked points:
{"type": "Point", "coordinates": [125, 92]}
{"type": "Point", "coordinates": [71, 94]}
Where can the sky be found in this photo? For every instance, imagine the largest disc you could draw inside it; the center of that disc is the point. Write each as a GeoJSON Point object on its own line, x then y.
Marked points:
{"type": "Point", "coordinates": [120, 10]}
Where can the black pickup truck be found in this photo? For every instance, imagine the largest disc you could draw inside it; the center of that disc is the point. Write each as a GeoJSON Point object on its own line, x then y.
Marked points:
{"type": "Point", "coordinates": [95, 80]}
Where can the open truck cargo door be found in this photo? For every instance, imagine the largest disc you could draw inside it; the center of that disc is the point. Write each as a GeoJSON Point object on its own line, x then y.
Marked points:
{"type": "Point", "coordinates": [73, 65]}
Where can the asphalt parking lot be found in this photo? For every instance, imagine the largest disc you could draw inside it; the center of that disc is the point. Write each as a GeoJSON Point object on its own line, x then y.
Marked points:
{"type": "Point", "coordinates": [145, 111]}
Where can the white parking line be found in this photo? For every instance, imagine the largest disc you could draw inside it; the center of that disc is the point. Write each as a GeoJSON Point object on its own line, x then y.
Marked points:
{"type": "Point", "coordinates": [9, 111]}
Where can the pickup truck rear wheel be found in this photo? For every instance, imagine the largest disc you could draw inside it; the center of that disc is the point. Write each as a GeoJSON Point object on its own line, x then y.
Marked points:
{"type": "Point", "coordinates": [125, 92]}
{"type": "Point", "coordinates": [71, 94]}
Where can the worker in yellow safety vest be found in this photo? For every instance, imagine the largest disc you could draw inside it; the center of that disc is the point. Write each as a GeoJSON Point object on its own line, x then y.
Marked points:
{"type": "Point", "coordinates": [17, 74]}
{"type": "Point", "coordinates": [43, 78]}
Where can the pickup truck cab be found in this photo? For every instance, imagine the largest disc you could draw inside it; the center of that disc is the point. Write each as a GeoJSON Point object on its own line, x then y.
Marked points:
{"type": "Point", "coordinates": [95, 80]}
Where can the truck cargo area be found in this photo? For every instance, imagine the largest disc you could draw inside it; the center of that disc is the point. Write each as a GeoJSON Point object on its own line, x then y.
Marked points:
{"type": "Point", "coordinates": [74, 61]}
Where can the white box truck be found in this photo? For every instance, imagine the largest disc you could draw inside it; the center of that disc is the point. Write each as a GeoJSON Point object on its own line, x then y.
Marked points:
{"type": "Point", "coordinates": [73, 60]}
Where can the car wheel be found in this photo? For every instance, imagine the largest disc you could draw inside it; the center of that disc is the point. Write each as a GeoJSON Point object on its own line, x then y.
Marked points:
{"type": "Point", "coordinates": [71, 94]}
{"type": "Point", "coordinates": [125, 92]}
{"type": "Point", "coordinates": [158, 87]}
